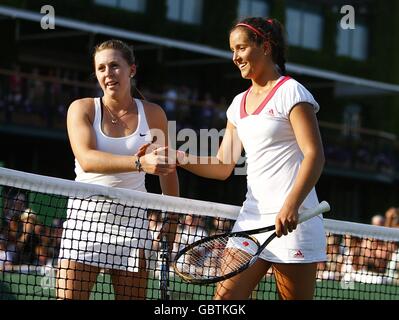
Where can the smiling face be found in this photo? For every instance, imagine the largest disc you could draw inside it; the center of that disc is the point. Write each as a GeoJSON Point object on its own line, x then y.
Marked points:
{"type": "Point", "coordinates": [113, 72]}
{"type": "Point", "coordinates": [247, 55]}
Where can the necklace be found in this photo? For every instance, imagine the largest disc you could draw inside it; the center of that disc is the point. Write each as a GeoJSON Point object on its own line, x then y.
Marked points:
{"type": "Point", "coordinates": [114, 119]}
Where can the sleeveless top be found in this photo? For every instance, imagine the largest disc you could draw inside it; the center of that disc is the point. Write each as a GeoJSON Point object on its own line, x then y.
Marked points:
{"type": "Point", "coordinates": [127, 145]}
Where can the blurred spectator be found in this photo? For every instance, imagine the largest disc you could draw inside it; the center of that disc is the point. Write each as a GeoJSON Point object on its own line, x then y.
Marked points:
{"type": "Point", "coordinates": [393, 267]}
{"type": "Point", "coordinates": [56, 234]}
{"type": "Point", "coordinates": [219, 117]}
{"type": "Point", "coordinates": [44, 250]}
{"type": "Point", "coordinates": [352, 254]}
{"type": "Point", "coordinates": [208, 112]}
{"type": "Point", "coordinates": [337, 155]}
{"type": "Point", "coordinates": [15, 84]}
{"type": "Point", "coordinates": [48, 248]}
{"type": "Point", "coordinates": [6, 254]}
{"type": "Point", "coordinates": [183, 108]}
{"type": "Point", "coordinates": [75, 86]}
{"type": "Point", "coordinates": [25, 235]}
{"type": "Point", "coordinates": [376, 254]}
{"type": "Point", "coordinates": [392, 221]}
{"type": "Point", "coordinates": [68, 92]}
{"type": "Point", "coordinates": [36, 94]}
{"type": "Point", "coordinates": [392, 217]}
{"type": "Point", "coordinates": [332, 268]}
{"type": "Point", "coordinates": [14, 203]}
{"type": "Point", "coordinates": [220, 225]}
{"type": "Point", "coordinates": [170, 102]}
{"type": "Point", "coordinates": [55, 94]}
{"type": "Point", "coordinates": [364, 158]}
{"type": "Point", "coordinates": [15, 98]}
{"type": "Point", "coordinates": [378, 220]}
{"type": "Point", "coordinates": [384, 162]}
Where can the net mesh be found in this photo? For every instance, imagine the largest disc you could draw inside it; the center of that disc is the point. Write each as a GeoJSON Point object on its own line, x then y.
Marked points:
{"type": "Point", "coordinates": [110, 245]}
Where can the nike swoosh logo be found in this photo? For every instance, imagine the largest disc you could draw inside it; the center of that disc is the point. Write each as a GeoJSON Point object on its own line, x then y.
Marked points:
{"type": "Point", "coordinates": [142, 134]}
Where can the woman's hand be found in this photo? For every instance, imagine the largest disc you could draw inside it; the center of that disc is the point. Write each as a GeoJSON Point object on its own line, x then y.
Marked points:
{"type": "Point", "coordinates": [174, 156]}
{"type": "Point", "coordinates": [157, 161]}
{"type": "Point", "coordinates": [286, 220]}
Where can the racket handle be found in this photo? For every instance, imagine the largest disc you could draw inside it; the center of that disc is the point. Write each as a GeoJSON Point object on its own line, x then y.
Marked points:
{"type": "Point", "coordinates": [310, 213]}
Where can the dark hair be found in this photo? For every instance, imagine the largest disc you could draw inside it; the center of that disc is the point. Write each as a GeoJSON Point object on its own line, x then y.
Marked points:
{"type": "Point", "coordinates": [127, 54]}
{"type": "Point", "coordinates": [269, 30]}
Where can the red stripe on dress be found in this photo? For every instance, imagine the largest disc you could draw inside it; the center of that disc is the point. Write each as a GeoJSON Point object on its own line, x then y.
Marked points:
{"type": "Point", "coordinates": [243, 112]}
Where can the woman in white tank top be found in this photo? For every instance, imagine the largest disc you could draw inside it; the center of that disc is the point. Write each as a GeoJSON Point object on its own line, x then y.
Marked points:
{"type": "Point", "coordinates": [275, 122]}
{"type": "Point", "coordinates": [105, 135]}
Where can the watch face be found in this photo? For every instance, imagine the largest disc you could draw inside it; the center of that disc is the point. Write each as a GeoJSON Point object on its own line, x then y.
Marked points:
{"type": "Point", "coordinates": [138, 164]}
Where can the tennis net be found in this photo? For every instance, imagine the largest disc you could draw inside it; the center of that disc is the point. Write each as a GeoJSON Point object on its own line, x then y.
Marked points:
{"type": "Point", "coordinates": [108, 229]}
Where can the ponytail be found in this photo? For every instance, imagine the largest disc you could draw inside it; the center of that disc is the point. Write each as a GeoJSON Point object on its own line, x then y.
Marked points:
{"type": "Point", "coordinates": [279, 46]}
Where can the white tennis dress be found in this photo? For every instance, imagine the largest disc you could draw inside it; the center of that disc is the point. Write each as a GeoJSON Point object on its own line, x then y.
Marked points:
{"type": "Point", "coordinates": [273, 162]}
{"type": "Point", "coordinates": [101, 233]}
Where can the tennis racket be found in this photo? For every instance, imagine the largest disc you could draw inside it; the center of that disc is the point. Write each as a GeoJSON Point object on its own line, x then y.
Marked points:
{"type": "Point", "coordinates": [164, 269]}
{"type": "Point", "coordinates": [222, 256]}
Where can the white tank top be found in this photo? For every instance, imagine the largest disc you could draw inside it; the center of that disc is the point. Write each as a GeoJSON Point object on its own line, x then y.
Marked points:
{"type": "Point", "coordinates": [122, 146]}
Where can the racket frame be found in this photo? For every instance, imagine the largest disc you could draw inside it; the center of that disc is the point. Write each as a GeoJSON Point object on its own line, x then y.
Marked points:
{"type": "Point", "coordinates": [306, 215]}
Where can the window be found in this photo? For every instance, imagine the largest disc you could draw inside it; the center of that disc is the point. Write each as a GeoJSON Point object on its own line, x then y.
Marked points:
{"type": "Point", "coordinates": [353, 42]}
{"type": "Point", "coordinates": [187, 11]}
{"type": "Point", "coordinates": [304, 28]}
{"type": "Point", "coordinates": [252, 8]}
{"type": "Point", "coordinates": [130, 5]}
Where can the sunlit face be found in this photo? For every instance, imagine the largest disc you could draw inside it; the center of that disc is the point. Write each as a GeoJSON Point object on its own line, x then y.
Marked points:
{"type": "Point", "coordinates": [113, 72]}
{"type": "Point", "coordinates": [247, 55]}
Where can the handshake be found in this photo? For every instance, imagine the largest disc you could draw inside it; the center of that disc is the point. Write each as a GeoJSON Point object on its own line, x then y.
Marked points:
{"type": "Point", "coordinates": [156, 159]}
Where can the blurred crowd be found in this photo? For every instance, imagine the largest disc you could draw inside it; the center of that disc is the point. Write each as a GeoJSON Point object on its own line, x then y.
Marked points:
{"type": "Point", "coordinates": [30, 238]}
{"type": "Point", "coordinates": [42, 96]}
{"type": "Point", "coordinates": [361, 155]}
{"type": "Point", "coordinates": [24, 238]}
{"type": "Point", "coordinates": [38, 97]}
{"type": "Point", "coordinates": [364, 259]}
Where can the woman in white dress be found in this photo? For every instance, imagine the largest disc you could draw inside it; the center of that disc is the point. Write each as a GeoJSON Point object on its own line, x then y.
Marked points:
{"type": "Point", "coordinates": [105, 135]}
{"type": "Point", "coordinates": [275, 122]}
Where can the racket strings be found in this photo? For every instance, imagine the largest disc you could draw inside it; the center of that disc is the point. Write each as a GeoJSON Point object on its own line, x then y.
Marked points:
{"type": "Point", "coordinates": [216, 257]}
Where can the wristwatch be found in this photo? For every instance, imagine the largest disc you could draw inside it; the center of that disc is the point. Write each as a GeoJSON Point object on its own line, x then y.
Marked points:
{"type": "Point", "coordinates": [138, 165]}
